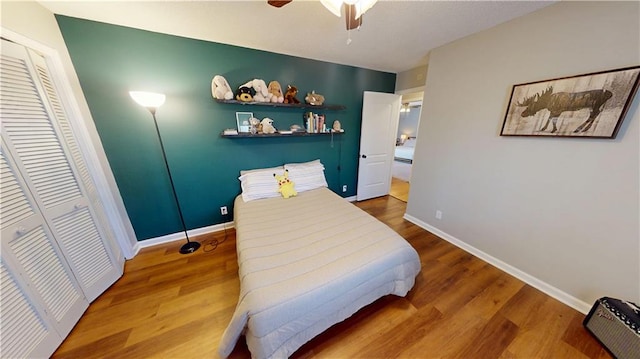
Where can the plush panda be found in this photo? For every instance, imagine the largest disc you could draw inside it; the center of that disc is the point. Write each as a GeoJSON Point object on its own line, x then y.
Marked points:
{"type": "Point", "coordinates": [245, 94]}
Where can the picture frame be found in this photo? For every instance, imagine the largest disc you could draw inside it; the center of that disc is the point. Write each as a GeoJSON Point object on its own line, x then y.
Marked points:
{"type": "Point", "coordinates": [591, 105]}
{"type": "Point", "coordinates": [242, 121]}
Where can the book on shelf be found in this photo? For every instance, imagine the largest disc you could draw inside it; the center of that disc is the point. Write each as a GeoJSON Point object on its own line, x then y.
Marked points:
{"type": "Point", "coordinates": [285, 132]}
{"type": "Point", "coordinates": [230, 132]}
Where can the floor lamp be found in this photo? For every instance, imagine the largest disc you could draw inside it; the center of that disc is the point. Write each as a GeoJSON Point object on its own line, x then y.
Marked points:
{"type": "Point", "coordinates": [151, 101]}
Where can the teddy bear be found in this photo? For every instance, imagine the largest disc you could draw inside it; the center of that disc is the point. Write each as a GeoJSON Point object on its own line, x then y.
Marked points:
{"type": "Point", "coordinates": [266, 126]}
{"type": "Point", "coordinates": [262, 93]}
{"type": "Point", "coordinates": [245, 94]}
{"type": "Point", "coordinates": [314, 99]}
{"type": "Point", "coordinates": [290, 95]}
{"type": "Point", "coordinates": [286, 186]}
{"type": "Point", "coordinates": [220, 88]}
{"type": "Point", "coordinates": [276, 92]}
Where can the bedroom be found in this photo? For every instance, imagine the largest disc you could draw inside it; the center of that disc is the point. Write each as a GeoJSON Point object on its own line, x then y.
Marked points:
{"type": "Point", "coordinates": [470, 174]}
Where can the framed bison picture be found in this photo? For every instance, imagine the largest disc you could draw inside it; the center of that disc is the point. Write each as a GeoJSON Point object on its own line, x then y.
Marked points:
{"type": "Point", "coordinates": [590, 105]}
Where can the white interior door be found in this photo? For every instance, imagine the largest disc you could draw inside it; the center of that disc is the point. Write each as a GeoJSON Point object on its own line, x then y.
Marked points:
{"type": "Point", "coordinates": [380, 115]}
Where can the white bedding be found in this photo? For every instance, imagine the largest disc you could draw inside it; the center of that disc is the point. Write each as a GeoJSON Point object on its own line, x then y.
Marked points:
{"type": "Point", "coordinates": [404, 153]}
{"type": "Point", "coordinates": [306, 263]}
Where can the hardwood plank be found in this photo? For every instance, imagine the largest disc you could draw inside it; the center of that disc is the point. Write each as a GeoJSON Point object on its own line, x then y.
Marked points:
{"type": "Point", "coordinates": [169, 305]}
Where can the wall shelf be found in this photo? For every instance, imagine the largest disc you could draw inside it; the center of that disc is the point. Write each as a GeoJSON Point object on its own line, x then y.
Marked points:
{"type": "Point", "coordinates": [263, 135]}
{"type": "Point", "coordinates": [290, 105]}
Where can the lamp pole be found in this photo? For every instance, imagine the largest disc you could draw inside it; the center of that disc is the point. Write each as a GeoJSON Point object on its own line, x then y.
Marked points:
{"type": "Point", "coordinates": [188, 247]}
{"type": "Point", "coordinates": [151, 101]}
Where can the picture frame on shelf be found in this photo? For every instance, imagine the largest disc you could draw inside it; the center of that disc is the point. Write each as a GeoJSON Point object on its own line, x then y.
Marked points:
{"type": "Point", "coordinates": [242, 121]}
{"type": "Point", "coordinates": [591, 105]}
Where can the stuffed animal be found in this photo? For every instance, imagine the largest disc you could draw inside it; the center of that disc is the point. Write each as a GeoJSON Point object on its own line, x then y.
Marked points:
{"type": "Point", "coordinates": [286, 186]}
{"type": "Point", "coordinates": [262, 93]}
{"type": "Point", "coordinates": [276, 92]}
{"type": "Point", "coordinates": [267, 126]}
{"type": "Point", "coordinates": [314, 99]}
{"type": "Point", "coordinates": [245, 94]}
{"type": "Point", "coordinates": [290, 95]}
{"type": "Point", "coordinates": [220, 88]}
{"type": "Point", "coordinates": [254, 125]}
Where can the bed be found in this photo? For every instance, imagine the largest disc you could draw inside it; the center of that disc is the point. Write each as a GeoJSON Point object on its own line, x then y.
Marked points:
{"type": "Point", "coordinates": [307, 263]}
{"type": "Point", "coordinates": [404, 152]}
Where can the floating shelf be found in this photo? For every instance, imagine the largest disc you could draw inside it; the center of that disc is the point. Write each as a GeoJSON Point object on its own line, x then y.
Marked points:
{"type": "Point", "coordinates": [262, 135]}
{"type": "Point", "coordinates": [290, 105]}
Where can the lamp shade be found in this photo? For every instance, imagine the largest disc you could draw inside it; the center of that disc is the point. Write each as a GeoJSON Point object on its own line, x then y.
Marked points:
{"type": "Point", "coordinates": [148, 99]}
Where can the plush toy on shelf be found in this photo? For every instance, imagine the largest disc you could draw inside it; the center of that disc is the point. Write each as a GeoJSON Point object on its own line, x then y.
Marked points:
{"type": "Point", "coordinates": [245, 94]}
{"type": "Point", "coordinates": [314, 99]}
{"type": "Point", "coordinates": [266, 126]}
{"type": "Point", "coordinates": [286, 186]}
{"type": "Point", "coordinates": [220, 88]}
{"type": "Point", "coordinates": [262, 93]}
{"type": "Point", "coordinates": [290, 95]}
{"type": "Point", "coordinates": [276, 92]}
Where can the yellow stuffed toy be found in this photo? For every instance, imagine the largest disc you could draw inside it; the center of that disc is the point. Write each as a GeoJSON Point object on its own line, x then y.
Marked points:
{"type": "Point", "coordinates": [285, 185]}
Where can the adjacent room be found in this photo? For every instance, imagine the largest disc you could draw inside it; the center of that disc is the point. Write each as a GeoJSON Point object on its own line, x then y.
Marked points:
{"type": "Point", "coordinates": [320, 179]}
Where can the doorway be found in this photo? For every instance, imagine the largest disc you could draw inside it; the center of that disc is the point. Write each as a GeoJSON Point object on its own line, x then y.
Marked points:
{"type": "Point", "coordinates": [406, 139]}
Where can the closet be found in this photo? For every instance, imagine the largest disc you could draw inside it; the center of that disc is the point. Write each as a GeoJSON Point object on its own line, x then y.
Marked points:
{"type": "Point", "coordinates": [57, 253]}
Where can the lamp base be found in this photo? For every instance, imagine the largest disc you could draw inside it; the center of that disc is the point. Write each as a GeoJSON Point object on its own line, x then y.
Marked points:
{"type": "Point", "coordinates": [189, 247]}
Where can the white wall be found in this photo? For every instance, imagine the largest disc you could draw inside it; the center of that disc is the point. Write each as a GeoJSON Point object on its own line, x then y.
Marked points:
{"type": "Point", "coordinates": [411, 80]}
{"type": "Point", "coordinates": [30, 24]}
{"type": "Point", "coordinates": [562, 213]}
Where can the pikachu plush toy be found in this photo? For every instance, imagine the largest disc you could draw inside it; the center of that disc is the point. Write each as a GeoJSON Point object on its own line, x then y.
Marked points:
{"type": "Point", "coordinates": [286, 185]}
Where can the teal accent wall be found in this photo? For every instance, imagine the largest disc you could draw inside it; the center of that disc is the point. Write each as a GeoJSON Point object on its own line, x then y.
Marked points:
{"type": "Point", "coordinates": [112, 60]}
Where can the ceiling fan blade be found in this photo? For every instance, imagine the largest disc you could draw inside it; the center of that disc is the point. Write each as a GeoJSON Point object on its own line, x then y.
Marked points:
{"type": "Point", "coordinates": [350, 17]}
{"type": "Point", "coordinates": [278, 3]}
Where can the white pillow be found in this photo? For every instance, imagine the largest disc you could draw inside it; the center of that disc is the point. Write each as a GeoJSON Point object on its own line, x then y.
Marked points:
{"type": "Point", "coordinates": [306, 176]}
{"type": "Point", "coordinates": [259, 183]}
{"type": "Point", "coordinates": [310, 164]}
{"type": "Point", "coordinates": [272, 169]}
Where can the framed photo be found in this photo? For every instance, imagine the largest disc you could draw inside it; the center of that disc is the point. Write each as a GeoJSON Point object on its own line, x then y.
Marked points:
{"type": "Point", "coordinates": [590, 105]}
{"type": "Point", "coordinates": [242, 120]}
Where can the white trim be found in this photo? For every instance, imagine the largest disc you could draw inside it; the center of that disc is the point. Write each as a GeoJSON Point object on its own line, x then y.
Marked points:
{"type": "Point", "coordinates": [180, 235]}
{"type": "Point", "coordinates": [550, 290]}
{"type": "Point", "coordinates": [116, 215]}
{"type": "Point", "coordinates": [350, 199]}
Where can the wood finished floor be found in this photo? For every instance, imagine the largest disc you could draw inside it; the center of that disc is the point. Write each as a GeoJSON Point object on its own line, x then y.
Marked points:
{"type": "Point", "coordinates": [399, 189]}
{"type": "Point", "coordinates": [169, 305]}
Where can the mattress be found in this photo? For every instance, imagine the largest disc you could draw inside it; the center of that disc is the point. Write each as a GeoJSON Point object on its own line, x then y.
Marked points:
{"type": "Point", "coordinates": [306, 263]}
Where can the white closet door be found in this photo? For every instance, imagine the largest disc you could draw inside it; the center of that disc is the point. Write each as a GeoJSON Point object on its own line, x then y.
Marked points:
{"type": "Point", "coordinates": [41, 300]}
{"type": "Point", "coordinates": [78, 230]}
{"type": "Point", "coordinates": [24, 331]}
{"type": "Point", "coordinates": [38, 135]}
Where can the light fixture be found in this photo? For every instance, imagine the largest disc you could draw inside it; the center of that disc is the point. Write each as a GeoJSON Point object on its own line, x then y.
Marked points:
{"type": "Point", "coordinates": [403, 138]}
{"type": "Point", "coordinates": [353, 9]}
{"type": "Point", "coordinates": [405, 108]}
{"type": "Point", "coordinates": [151, 101]}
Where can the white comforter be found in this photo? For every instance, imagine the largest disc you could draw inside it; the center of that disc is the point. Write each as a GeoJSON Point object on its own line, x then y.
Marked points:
{"type": "Point", "coordinates": [306, 263]}
{"type": "Point", "coordinates": [404, 152]}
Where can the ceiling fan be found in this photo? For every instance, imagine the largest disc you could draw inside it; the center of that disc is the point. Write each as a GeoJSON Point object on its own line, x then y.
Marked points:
{"type": "Point", "coordinates": [353, 9]}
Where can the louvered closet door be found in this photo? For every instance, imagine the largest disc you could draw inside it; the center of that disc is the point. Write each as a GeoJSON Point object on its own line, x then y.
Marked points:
{"type": "Point", "coordinates": [41, 301]}
{"type": "Point", "coordinates": [38, 135]}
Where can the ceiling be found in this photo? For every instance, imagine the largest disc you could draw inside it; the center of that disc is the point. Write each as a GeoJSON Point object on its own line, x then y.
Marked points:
{"type": "Point", "coordinates": [395, 35]}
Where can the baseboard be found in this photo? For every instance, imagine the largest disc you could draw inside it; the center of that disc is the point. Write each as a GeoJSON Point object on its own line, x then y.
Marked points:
{"type": "Point", "coordinates": [351, 199]}
{"type": "Point", "coordinates": [180, 236]}
{"type": "Point", "coordinates": [548, 289]}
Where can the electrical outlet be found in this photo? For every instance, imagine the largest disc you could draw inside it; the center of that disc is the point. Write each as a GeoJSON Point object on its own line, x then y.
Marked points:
{"type": "Point", "coordinates": [344, 188]}
{"type": "Point", "coordinates": [223, 210]}
{"type": "Point", "coordinates": [438, 214]}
